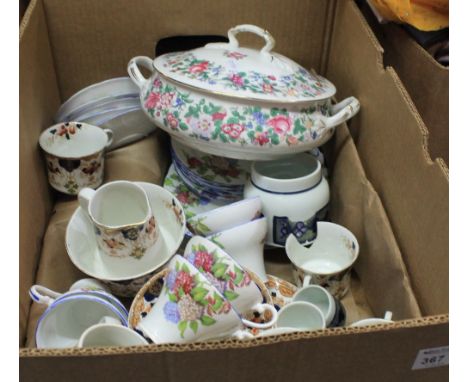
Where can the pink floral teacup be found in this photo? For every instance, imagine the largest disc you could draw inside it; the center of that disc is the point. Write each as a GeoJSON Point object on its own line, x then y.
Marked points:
{"type": "Point", "coordinates": [190, 308]}
{"type": "Point", "coordinates": [124, 223]}
{"type": "Point", "coordinates": [228, 276]}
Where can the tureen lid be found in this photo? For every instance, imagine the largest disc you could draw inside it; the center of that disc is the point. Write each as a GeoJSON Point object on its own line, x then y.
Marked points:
{"type": "Point", "coordinates": [229, 70]}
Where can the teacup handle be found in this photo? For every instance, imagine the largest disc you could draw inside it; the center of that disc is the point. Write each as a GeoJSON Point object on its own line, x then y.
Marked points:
{"type": "Point", "coordinates": [43, 295]}
{"type": "Point", "coordinates": [110, 137]}
{"type": "Point", "coordinates": [307, 279]}
{"type": "Point", "coordinates": [261, 308]}
{"type": "Point", "coordinates": [89, 284]}
{"type": "Point", "coordinates": [84, 197]}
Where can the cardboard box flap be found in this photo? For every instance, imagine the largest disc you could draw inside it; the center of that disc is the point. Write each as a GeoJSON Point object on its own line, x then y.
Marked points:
{"type": "Point", "coordinates": [94, 40]}
{"type": "Point", "coordinates": [39, 99]}
{"type": "Point", "coordinates": [391, 139]}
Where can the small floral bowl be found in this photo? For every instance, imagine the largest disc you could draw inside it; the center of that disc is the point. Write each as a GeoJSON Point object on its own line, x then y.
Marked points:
{"type": "Point", "coordinates": [145, 299]}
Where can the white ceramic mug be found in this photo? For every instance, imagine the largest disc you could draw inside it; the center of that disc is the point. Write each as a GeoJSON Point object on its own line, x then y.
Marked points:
{"type": "Point", "coordinates": [228, 276]}
{"type": "Point", "coordinates": [110, 332]}
{"type": "Point", "coordinates": [69, 315]}
{"type": "Point", "coordinates": [124, 223]}
{"type": "Point", "coordinates": [328, 261]}
{"type": "Point", "coordinates": [189, 308]}
{"type": "Point", "coordinates": [74, 154]}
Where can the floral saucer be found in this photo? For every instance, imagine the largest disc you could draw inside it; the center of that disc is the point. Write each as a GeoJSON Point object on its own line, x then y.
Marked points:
{"type": "Point", "coordinates": [191, 202]}
{"type": "Point", "coordinates": [281, 291]}
{"type": "Point", "coordinates": [124, 276]}
{"type": "Point", "coordinates": [145, 299]}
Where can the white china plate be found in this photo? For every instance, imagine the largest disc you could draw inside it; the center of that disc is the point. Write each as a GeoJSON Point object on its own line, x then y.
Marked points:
{"type": "Point", "coordinates": [112, 105]}
{"type": "Point", "coordinates": [191, 202]}
{"type": "Point", "coordinates": [105, 89]}
{"type": "Point", "coordinates": [87, 257]}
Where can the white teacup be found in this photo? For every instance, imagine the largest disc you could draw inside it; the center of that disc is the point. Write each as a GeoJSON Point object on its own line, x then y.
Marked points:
{"type": "Point", "coordinates": [228, 276]}
{"type": "Point", "coordinates": [328, 261]}
{"type": "Point", "coordinates": [190, 308]}
{"type": "Point", "coordinates": [110, 332]}
{"type": "Point", "coordinates": [374, 321]}
{"type": "Point", "coordinates": [74, 154]}
{"type": "Point", "coordinates": [319, 297]}
{"type": "Point", "coordinates": [245, 244]}
{"type": "Point", "coordinates": [124, 223]}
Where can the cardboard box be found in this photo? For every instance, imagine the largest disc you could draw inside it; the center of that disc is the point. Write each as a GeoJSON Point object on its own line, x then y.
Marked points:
{"type": "Point", "coordinates": [426, 81]}
{"type": "Point", "coordinates": [385, 188]}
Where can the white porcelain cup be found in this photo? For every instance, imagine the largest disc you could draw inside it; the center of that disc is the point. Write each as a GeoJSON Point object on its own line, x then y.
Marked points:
{"type": "Point", "coordinates": [190, 308]}
{"type": "Point", "coordinates": [69, 315]}
{"type": "Point", "coordinates": [228, 276]}
{"type": "Point", "coordinates": [301, 315]}
{"type": "Point", "coordinates": [110, 332]}
{"type": "Point", "coordinates": [374, 321]}
{"type": "Point", "coordinates": [319, 297]}
{"type": "Point", "coordinates": [245, 243]}
{"type": "Point", "coordinates": [124, 223]}
{"type": "Point", "coordinates": [74, 154]}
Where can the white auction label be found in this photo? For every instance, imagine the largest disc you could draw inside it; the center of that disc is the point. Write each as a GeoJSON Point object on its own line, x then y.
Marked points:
{"type": "Point", "coordinates": [433, 357]}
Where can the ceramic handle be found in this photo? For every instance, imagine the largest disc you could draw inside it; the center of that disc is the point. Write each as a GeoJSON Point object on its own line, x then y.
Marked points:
{"type": "Point", "coordinates": [84, 197]}
{"type": "Point", "coordinates": [134, 71]}
{"type": "Point", "coordinates": [342, 111]}
{"type": "Point", "coordinates": [261, 308]}
{"type": "Point", "coordinates": [43, 295]}
{"type": "Point", "coordinates": [110, 137]}
{"type": "Point", "coordinates": [234, 43]}
{"type": "Point", "coordinates": [307, 279]}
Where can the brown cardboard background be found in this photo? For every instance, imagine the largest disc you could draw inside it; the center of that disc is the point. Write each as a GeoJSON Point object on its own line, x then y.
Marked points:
{"type": "Point", "coordinates": [392, 142]}
{"type": "Point", "coordinates": [38, 99]}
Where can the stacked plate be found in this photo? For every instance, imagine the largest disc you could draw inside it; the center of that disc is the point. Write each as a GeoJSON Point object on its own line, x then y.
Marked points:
{"type": "Point", "coordinates": [113, 104]}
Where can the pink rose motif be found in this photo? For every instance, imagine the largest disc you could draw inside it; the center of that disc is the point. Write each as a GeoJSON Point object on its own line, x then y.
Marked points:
{"type": "Point", "coordinates": [183, 197]}
{"type": "Point", "coordinates": [199, 68]}
{"type": "Point", "coordinates": [267, 88]}
{"type": "Point", "coordinates": [280, 124]}
{"type": "Point", "coordinates": [194, 162]}
{"type": "Point", "coordinates": [237, 80]}
{"type": "Point", "coordinates": [166, 100]}
{"type": "Point", "coordinates": [157, 83]}
{"type": "Point", "coordinates": [234, 130]}
{"type": "Point", "coordinates": [203, 260]}
{"type": "Point", "coordinates": [152, 100]}
{"type": "Point", "coordinates": [218, 116]}
{"type": "Point", "coordinates": [172, 121]}
{"type": "Point", "coordinates": [273, 78]}
{"type": "Point", "coordinates": [185, 281]}
{"type": "Point", "coordinates": [261, 138]}
{"type": "Point", "coordinates": [292, 140]}
{"type": "Point", "coordinates": [236, 55]}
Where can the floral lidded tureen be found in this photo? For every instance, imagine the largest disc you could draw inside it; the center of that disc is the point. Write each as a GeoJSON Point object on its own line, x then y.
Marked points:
{"type": "Point", "coordinates": [239, 102]}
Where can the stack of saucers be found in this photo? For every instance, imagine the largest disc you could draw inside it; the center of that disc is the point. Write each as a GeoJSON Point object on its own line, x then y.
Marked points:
{"type": "Point", "coordinates": [203, 182]}
{"type": "Point", "coordinates": [113, 104]}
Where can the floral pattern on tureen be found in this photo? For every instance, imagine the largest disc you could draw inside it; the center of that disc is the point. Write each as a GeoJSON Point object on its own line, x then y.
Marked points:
{"type": "Point", "coordinates": [299, 83]}
{"type": "Point", "coordinates": [241, 125]}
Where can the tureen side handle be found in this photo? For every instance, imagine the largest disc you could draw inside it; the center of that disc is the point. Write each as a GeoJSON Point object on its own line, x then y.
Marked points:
{"type": "Point", "coordinates": [134, 71]}
{"type": "Point", "coordinates": [342, 111]}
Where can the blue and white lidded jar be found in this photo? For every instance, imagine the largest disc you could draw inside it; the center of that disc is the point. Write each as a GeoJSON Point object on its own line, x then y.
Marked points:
{"type": "Point", "coordinates": [294, 196]}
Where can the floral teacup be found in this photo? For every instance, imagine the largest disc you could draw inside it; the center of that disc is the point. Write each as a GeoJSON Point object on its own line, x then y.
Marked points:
{"type": "Point", "coordinates": [74, 154]}
{"type": "Point", "coordinates": [124, 223]}
{"type": "Point", "coordinates": [228, 277]}
{"type": "Point", "coordinates": [190, 308]}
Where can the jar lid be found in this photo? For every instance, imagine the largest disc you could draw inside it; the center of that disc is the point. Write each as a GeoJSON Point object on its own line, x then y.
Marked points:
{"type": "Point", "coordinates": [229, 70]}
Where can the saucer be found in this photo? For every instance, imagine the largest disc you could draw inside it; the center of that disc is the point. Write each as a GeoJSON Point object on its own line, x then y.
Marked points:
{"type": "Point", "coordinates": [281, 291]}
{"type": "Point", "coordinates": [192, 203]}
{"type": "Point", "coordinates": [85, 254]}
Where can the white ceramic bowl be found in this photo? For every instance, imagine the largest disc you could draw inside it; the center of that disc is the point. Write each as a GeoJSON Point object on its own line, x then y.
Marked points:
{"type": "Point", "coordinates": [222, 218]}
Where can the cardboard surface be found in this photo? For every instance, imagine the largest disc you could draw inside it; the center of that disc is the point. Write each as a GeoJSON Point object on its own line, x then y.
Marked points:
{"type": "Point", "coordinates": [392, 143]}
{"type": "Point", "coordinates": [38, 99]}
{"type": "Point", "coordinates": [424, 78]}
